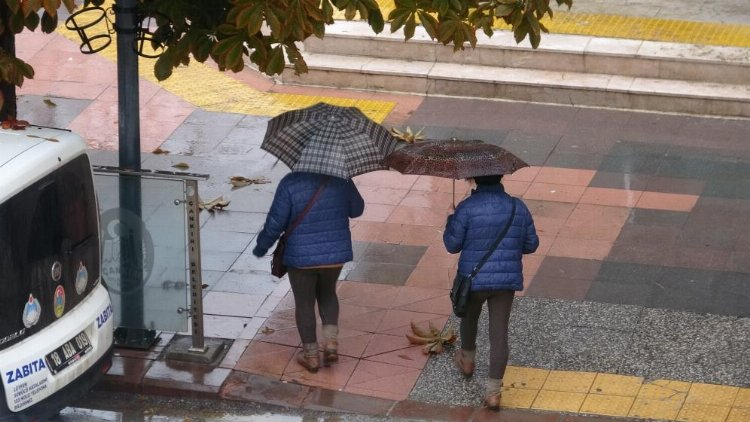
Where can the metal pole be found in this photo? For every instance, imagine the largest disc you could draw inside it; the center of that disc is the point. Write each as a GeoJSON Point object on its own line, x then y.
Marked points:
{"type": "Point", "coordinates": [132, 333]}
{"type": "Point", "coordinates": [194, 254]}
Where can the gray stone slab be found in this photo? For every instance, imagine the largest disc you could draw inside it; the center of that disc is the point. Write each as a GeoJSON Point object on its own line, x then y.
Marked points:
{"type": "Point", "coordinates": [223, 241]}
{"type": "Point", "coordinates": [233, 221]}
{"type": "Point", "coordinates": [380, 273]}
{"type": "Point", "coordinates": [50, 111]}
{"type": "Point", "coordinates": [392, 253]}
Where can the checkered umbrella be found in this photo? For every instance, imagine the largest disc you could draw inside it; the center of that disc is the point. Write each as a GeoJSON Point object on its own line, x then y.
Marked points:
{"type": "Point", "coordinates": [328, 139]}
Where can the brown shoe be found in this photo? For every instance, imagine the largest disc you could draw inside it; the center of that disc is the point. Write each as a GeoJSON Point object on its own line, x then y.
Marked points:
{"type": "Point", "coordinates": [311, 363]}
{"type": "Point", "coordinates": [330, 353]}
{"type": "Point", "coordinates": [492, 401]}
{"type": "Point", "coordinates": [463, 364]}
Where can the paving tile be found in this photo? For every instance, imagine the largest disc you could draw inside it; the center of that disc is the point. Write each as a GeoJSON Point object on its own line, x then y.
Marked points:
{"type": "Point", "coordinates": [655, 409]}
{"type": "Point", "coordinates": [260, 389]}
{"type": "Point", "coordinates": [559, 287]}
{"type": "Point", "coordinates": [518, 398]}
{"type": "Point", "coordinates": [569, 381]}
{"type": "Point", "coordinates": [620, 180]}
{"type": "Point", "coordinates": [569, 268]}
{"type": "Point", "coordinates": [719, 395]}
{"type": "Point", "coordinates": [667, 201]}
{"type": "Point", "coordinates": [556, 210]}
{"type": "Point", "coordinates": [126, 373]}
{"type": "Point", "coordinates": [186, 378]}
{"type": "Point", "coordinates": [232, 304]}
{"type": "Point", "coordinates": [560, 401]}
{"type": "Point", "coordinates": [743, 398]}
{"type": "Point", "coordinates": [334, 377]}
{"type": "Point", "coordinates": [390, 253]}
{"type": "Point", "coordinates": [408, 234]}
{"type": "Point", "coordinates": [383, 273]}
{"type": "Point", "coordinates": [410, 357]}
{"type": "Point", "coordinates": [554, 192]}
{"type": "Point", "coordinates": [738, 415]}
{"type": "Point", "coordinates": [365, 230]}
{"type": "Point", "coordinates": [266, 359]}
{"type": "Point", "coordinates": [675, 185]}
{"type": "Point", "coordinates": [396, 321]}
{"type": "Point", "coordinates": [377, 213]}
{"type": "Point", "coordinates": [573, 160]}
{"type": "Point", "coordinates": [525, 378]}
{"type": "Point", "coordinates": [427, 199]}
{"type": "Point", "coordinates": [382, 343]}
{"type": "Point", "coordinates": [703, 412]}
{"type": "Point", "coordinates": [609, 405]}
{"type": "Point", "coordinates": [570, 247]}
{"type": "Point", "coordinates": [385, 179]}
{"type": "Point", "coordinates": [431, 278]}
{"type": "Point", "coordinates": [382, 195]}
{"type": "Point", "coordinates": [381, 377]}
{"type": "Point", "coordinates": [611, 197]}
{"type": "Point", "coordinates": [418, 216]}
{"type": "Point", "coordinates": [342, 401]}
{"type": "Point", "coordinates": [526, 174]}
{"type": "Point", "coordinates": [616, 385]}
{"type": "Point", "coordinates": [564, 176]}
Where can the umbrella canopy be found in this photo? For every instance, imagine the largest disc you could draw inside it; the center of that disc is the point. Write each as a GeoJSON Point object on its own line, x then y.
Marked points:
{"type": "Point", "coordinates": [453, 158]}
{"type": "Point", "coordinates": [328, 139]}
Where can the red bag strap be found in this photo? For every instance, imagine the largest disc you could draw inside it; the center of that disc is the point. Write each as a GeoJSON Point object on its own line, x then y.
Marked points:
{"type": "Point", "coordinates": [309, 205]}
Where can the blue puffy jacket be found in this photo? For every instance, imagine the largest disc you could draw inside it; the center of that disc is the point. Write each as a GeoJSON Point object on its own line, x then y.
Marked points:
{"type": "Point", "coordinates": [475, 225]}
{"type": "Point", "coordinates": [323, 237]}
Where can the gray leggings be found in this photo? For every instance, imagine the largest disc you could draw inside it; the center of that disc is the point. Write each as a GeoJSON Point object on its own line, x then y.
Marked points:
{"type": "Point", "coordinates": [499, 303]}
{"type": "Point", "coordinates": [312, 285]}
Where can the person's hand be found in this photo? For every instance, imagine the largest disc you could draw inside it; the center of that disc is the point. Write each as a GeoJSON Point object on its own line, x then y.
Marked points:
{"type": "Point", "coordinates": [258, 252]}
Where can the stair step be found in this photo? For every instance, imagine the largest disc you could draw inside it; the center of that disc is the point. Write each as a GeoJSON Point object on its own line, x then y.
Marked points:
{"type": "Point", "coordinates": [565, 53]}
{"type": "Point", "coordinates": [521, 84]}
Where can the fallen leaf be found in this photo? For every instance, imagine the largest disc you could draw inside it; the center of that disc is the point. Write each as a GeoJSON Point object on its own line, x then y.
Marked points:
{"type": "Point", "coordinates": [49, 102]}
{"type": "Point", "coordinates": [158, 150]}
{"type": "Point", "coordinates": [240, 181]}
{"type": "Point", "coordinates": [216, 204]}
{"type": "Point", "coordinates": [181, 166]}
{"type": "Point", "coordinates": [431, 339]}
{"type": "Point", "coordinates": [267, 330]}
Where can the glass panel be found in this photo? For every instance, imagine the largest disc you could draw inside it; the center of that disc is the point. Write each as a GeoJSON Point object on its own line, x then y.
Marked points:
{"type": "Point", "coordinates": [155, 303]}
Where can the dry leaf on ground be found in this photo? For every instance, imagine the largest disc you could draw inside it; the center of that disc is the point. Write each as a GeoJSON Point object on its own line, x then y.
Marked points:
{"type": "Point", "coordinates": [432, 339]}
{"type": "Point", "coordinates": [158, 150]}
{"type": "Point", "coordinates": [241, 181]}
{"type": "Point", "coordinates": [181, 166]}
{"type": "Point", "coordinates": [217, 204]}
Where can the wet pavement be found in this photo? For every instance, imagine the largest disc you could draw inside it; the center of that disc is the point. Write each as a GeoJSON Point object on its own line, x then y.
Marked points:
{"type": "Point", "coordinates": [636, 303]}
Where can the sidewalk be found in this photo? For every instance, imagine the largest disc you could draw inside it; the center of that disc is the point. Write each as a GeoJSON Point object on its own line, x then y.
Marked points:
{"type": "Point", "coordinates": [636, 304]}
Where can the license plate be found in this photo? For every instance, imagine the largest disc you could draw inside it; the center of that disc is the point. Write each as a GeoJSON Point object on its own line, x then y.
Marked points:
{"type": "Point", "coordinates": [69, 353]}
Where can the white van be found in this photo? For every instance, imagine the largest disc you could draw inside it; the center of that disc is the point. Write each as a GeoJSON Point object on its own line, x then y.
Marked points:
{"type": "Point", "coordinates": [56, 325]}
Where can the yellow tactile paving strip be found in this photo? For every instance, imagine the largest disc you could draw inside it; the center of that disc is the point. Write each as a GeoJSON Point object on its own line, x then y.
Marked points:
{"type": "Point", "coordinates": [633, 27]}
{"type": "Point", "coordinates": [525, 388]}
{"type": "Point", "coordinates": [213, 90]}
{"type": "Point", "coordinates": [624, 396]}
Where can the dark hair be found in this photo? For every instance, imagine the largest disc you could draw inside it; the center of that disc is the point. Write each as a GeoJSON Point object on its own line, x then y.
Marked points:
{"type": "Point", "coordinates": [488, 180]}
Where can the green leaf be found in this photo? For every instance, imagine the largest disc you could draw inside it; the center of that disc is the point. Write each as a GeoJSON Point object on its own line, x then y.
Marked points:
{"type": "Point", "coordinates": [533, 24]}
{"type": "Point", "coordinates": [520, 32]}
{"type": "Point", "coordinates": [51, 6]}
{"type": "Point", "coordinates": [163, 67]}
{"type": "Point", "coordinates": [276, 61]}
{"type": "Point", "coordinates": [201, 48]}
{"type": "Point", "coordinates": [32, 21]}
{"type": "Point", "coordinates": [376, 21]}
{"type": "Point", "coordinates": [398, 18]}
{"type": "Point", "coordinates": [504, 9]}
{"type": "Point", "coordinates": [16, 22]}
{"type": "Point", "coordinates": [410, 26]}
{"type": "Point", "coordinates": [24, 68]}
{"type": "Point", "coordinates": [13, 5]}
{"type": "Point", "coordinates": [273, 22]}
{"type": "Point", "coordinates": [234, 56]}
{"type": "Point", "coordinates": [429, 23]}
{"type": "Point", "coordinates": [49, 23]}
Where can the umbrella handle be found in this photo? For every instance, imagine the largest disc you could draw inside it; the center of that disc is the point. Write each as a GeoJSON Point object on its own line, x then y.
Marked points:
{"type": "Point", "coordinates": [454, 194]}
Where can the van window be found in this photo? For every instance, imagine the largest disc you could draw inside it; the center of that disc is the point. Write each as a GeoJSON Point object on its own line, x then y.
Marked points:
{"type": "Point", "coordinates": [48, 232]}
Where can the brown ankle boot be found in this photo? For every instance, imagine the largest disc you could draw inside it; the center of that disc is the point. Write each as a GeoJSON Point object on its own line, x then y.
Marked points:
{"type": "Point", "coordinates": [493, 393]}
{"type": "Point", "coordinates": [330, 345]}
{"type": "Point", "coordinates": [492, 401]}
{"type": "Point", "coordinates": [464, 363]}
{"type": "Point", "coordinates": [309, 358]}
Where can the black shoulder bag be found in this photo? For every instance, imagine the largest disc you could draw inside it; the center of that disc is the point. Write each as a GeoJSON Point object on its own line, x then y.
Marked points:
{"type": "Point", "coordinates": [462, 283]}
{"type": "Point", "coordinates": [278, 268]}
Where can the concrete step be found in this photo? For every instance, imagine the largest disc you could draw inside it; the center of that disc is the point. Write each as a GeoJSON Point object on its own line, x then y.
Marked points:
{"type": "Point", "coordinates": [577, 70]}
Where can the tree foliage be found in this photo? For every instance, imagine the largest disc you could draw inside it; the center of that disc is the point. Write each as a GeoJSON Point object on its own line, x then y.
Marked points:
{"type": "Point", "coordinates": [268, 32]}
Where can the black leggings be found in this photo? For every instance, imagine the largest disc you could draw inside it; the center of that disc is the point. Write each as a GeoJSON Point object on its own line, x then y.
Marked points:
{"type": "Point", "coordinates": [499, 303]}
{"type": "Point", "coordinates": [310, 285]}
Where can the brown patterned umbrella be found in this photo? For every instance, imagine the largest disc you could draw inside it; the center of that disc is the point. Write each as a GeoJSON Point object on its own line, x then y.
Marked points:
{"type": "Point", "coordinates": [453, 158]}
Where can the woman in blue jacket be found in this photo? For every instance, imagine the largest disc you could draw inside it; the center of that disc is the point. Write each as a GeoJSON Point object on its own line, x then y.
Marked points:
{"type": "Point", "coordinates": [471, 230]}
{"type": "Point", "coordinates": [316, 250]}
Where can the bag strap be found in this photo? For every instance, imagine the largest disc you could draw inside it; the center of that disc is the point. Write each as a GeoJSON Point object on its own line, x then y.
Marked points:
{"type": "Point", "coordinates": [309, 205]}
{"type": "Point", "coordinates": [496, 243]}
